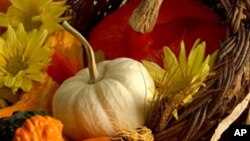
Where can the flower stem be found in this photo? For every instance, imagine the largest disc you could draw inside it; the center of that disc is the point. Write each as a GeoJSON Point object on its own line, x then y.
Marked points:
{"type": "Point", "coordinates": [145, 16]}
{"type": "Point", "coordinates": [93, 72]}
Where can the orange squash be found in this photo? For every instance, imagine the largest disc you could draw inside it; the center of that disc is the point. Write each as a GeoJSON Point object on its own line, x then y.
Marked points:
{"type": "Point", "coordinates": [40, 97]}
{"type": "Point", "coordinates": [39, 128]}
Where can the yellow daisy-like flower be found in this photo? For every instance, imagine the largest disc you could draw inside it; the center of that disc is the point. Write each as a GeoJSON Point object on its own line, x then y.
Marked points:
{"type": "Point", "coordinates": [35, 14]}
{"type": "Point", "coordinates": [181, 77]}
{"type": "Point", "coordinates": [23, 58]}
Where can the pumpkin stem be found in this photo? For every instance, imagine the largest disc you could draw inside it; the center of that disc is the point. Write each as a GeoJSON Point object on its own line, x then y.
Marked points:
{"type": "Point", "coordinates": [93, 72]}
{"type": "Point", "coordinates": [145, 16]}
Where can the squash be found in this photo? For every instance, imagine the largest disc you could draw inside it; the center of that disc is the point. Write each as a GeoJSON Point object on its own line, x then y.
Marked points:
{"type": "Point", "coordinates": [114, 91]}
{"type": "Point", "coordinates": [8, 125]}
{"type": "Point", "coordinates": [39, 128]}
{"type": "Point", "coordinates": [67, 59]}
{"type": "Point", "coordinates": [177, 20]}
{"type": "Point", "coordinates": [39, 97]}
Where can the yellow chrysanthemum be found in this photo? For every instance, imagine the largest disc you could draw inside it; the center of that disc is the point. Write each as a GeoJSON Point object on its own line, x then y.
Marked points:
{"type": "Point", "coordinates": [23, 58]}
{"type": "Point", "coordinates": [181, 77]}
{"type": "Point", "coordinates": [44, 14]}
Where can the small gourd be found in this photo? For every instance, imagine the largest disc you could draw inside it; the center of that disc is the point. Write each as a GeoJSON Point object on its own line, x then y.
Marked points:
{"type": "Point", "coordinates": [114, 91]}
{"type": "Point", "coordinates": [40, 128]}
{"type": "Point", "coordinates": [8, 125]}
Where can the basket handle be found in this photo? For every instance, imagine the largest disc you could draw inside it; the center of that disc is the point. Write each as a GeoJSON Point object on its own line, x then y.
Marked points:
{"type": "Point", "coordinates": [144, 17]}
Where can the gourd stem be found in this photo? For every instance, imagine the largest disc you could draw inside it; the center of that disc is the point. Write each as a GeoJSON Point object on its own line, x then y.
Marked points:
{"type": "Point", "coordinates": [145, 16]}
{"type": "Point", "coordinates": [93, 72]}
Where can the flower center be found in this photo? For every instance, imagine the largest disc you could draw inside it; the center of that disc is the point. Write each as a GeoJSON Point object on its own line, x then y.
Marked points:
{"type": "Point", "coordinates": [31, 24]}
{"type": "Point", "coordinates": [15, 65]}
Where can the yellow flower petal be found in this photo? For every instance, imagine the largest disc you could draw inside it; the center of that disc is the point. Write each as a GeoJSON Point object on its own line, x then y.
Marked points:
{"type": "Point", "coordinates": [26, 85]}
{"type": "Point", "coordinates": [21, 34]}
{"type": "Point", "coordinates": [195, 58]}
{"type": "Point", "coordinates": [9, 80]}
{"type": "Point", "coordinates": [11, 35]}
{"type": "Point", "coordinates": [183, 77]}
{"type": "Point", "coordinates": [38, 77]}
{"type": "Point", "coordinates": [39, 14]}
{"type": "Point", "coordinates": [170, 61]}
{"type": "Point", "coordinates": [154, 70]}
{"type": "Point", "coordinates": [23, 58]}
{"type": "Point", "coordinates": [175, 113]}
{"type": "Point", "coordinates": [36, 39]}
{"type": "Point", "coordinates": [18, 81]}
{"type": "Point", "coordinates": [188, 99]}
{"type": "Point", "coordinates": [183, 60]}
{"type": "Point", "coordinates": [213, 58]}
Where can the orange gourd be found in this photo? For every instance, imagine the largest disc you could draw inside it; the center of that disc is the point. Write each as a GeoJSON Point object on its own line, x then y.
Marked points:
{"type": "Point", "coordinates": [39, 128]}
{"type": "Point", "coordinates": [40, 97]}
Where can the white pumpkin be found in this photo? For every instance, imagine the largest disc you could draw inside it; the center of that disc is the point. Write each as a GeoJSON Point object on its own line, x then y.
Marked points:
{"type": "Point", "coordinates": [89, 104]}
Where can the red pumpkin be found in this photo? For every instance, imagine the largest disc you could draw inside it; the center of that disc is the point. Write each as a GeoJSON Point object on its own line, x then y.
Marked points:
{"type": "Point", "coordinates": [178, 20]}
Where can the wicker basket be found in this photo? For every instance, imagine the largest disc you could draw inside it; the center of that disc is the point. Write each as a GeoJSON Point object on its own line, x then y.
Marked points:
{"type": "Point", "coordinates": [223, 91]}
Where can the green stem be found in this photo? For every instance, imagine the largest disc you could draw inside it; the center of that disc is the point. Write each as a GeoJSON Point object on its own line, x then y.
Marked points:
{"type": "Point", "coordinates": [93, 72]}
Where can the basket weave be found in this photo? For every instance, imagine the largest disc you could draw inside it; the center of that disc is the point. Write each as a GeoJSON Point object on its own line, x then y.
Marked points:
{"type": "Point", "coordinates": [224, 90]}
